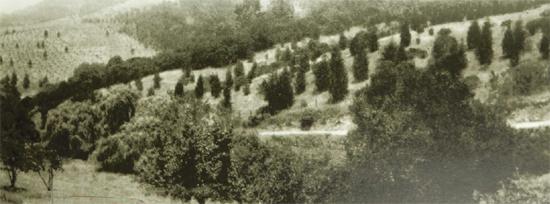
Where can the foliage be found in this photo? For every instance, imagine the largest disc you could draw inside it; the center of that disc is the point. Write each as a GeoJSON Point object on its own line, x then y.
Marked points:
{"type": "Point", "coordinates": [343, 41]}
{"type": "Point", "coordinates": [26, 81]}
{"type": "Point", "coordinates": [199, 88]}
{"type": "Point", "coordinates": [361, 67]}
{"type": "Point", "coordinates": [215, 86]}
{"type": "Point", "coordinates": [278, 91]}
{"type": "Point", "coordinates": [321, 70]}
{"type": "Point", "coordinates": [338, 84]}
{"type": "Point", "coordinates": [473, 39]}
{"type": "Point", "coordinates": [544, 47]}
{"type": "Point", "coordinates": [179, 89]}
{"type": "Point", "coordinates": [300, 82]}
{"type": "Point", "coordinates": [156, 81]}
{"type": "Point", "coordinates": [405, 35]}
{"type": "Point", "coordinates": [484, 52]}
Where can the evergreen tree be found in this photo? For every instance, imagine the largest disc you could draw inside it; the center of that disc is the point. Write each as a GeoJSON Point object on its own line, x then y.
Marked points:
{"type": "Point", "coordinates": [543, 47]}
{"type": "Point", "coordinates": [405, 35]}
{"type": "Point", "coordinates": [26, 81]}
{"type": "Point", "coordinates": [252, 73]}
{"type": "Point", "coordinates": [338, 87]}
{"type": "Point", "coordinates": [215, 86]}
{"type": "Point", "coordinates": [29, 63]}
{"type": "Point", "coordinates": [484, 51]}
{"type": "Point", "coordinates": [1, 60]}
{"type": "Point", "coordinates": [239, 76]}
{"type": "Point", "coordinates": [156, 81]}
{"type": "Point", "coordinates": [139, 84]}
{"type": "Point", "coordinates": [179, 90]}
{"type": "Point", "coordinates": [228, 78]}
{"type": "Point", "coordinates": [518, 43]}
{"type": "Point", "coordinates": [278, 91]}
{"type": "Point", "coordinates": [300, 83]}
{"type": "Point", "coordinates": [361, 67]}
{"type": "Point", "coordinates": [322, 75]}
{"type": "Point", "coordinates": [401, 55]}
{"type": "Point", "coordinates": [151, 91]}
{"type": "Point", "coordinates": [226, 103]}
{"type": "Point", "coordinates": [199, 88]}
{"type": "Point", "coordinates": [372, 41]}
{"type": "Point", "coordinates": [43, 82]}
{"type": "Point", "coordinates": [14, 79]}
{"type": "Point", "coordinates": [11, 62]}
{"type": "Point", "coordinates": [508, 43]}
{"type": "Point", "coordinates": [389, 53]}
{"type": "Point", "coordinates": [286, 55]}
{"type": "Point", "coordinates": [246, 88]}
{"type": "Point", "coordinates": [357, 44]}
{"type": "Point", "coordinates": [343, 42]}
{"type": "Point", "coordinates": [474, 35]}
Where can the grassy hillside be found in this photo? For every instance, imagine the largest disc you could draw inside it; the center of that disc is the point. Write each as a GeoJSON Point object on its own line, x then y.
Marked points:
{"type": "Point", "coordinates": [288, 119]}
{"type": "Point", "coordinates": [80, 183]}
{"type": "Point", "coordinates": [79, 41]}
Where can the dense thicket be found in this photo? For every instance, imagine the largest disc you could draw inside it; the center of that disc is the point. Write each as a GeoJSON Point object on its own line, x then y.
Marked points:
{"type": "Point", "coordinates": [278, 91]}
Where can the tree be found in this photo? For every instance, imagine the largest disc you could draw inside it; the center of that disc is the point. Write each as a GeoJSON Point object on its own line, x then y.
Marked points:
{"type": "Point", "coordinates": [360, 67]}
{"type": "Point", "coordinates": [139, 84]}
{"type": "Point", "coordinates": [43, 82]}
{"type": "Point", "coordinates": [389, 52]}
{"type": "Point", "coordinates": [18, 133]}
{"type": "Point", "coordinates": [405, 34]}
{"type": "Point", "coordinates": [484, 51]}
{"type": "Point", "coordinates": [239, 75]}
{"type": "Point", "coordinates": [226, 103]}
{"type": "Point", "coordinates": [26, 81]}
{"type": "Point", "coordinates": [543, 47]}
{"type": "Point", "coordinates": [321, 71]}
{"type": "Point", "coordinates": [29, 63]}
{"type": "Point", "coordinates": [300, 82]}
{"type": "Point", "coordinates": [474, 35]}
{"type": "Point", "coordinates": [151, 91]}
{"type": "Point", "coordinates": [357, 44]}
{"type": "Point", "coordinates": [246, 88]}
{"type": "Point", "coordinates": [156, 81]}
{"type": "Point", "coordinates": [1, 60]}
{"type": "Point", "coordinates": [14, 79]}
{"type": "Point", "coordinates": [518, 43]}
{"type": "Point", "coordinates": [199, 88]}
{"type": "Point", "coordinates": [179, 90]}
{"type": "Point", "coordinates": [66, 49]}
{"type": "Point", "coordinates": [338, 87]}
{"type": "Point", "coordinates": [278, 91]}
{"type": "Point", "coordinates": [343, 41]}
{"type": "Point", "coordinates": [252, 73]}
{"type": "Point", "coordinates": [45, 33]}
{"type": "Point", "coordinates": [372, 40]}
{"type": "Point", "coordinates": [215, 86]}
{"type": "Point", "coordinates": [508, 43]}
{"type": "Point", "coordinates": [228, 78]}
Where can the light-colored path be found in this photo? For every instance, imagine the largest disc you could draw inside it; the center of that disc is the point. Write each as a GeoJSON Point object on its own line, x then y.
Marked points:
{"type": "Point", "coordinates": [339, 133]}
{"type": "Point", "coordinates": [530, 125]}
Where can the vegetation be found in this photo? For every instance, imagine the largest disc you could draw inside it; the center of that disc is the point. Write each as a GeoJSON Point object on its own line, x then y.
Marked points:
{"type": "Point", "coordinates": [278, 92]}
{"type": "Point", "coordinates": [484, 51]}
{"type": "Point", "coordinates": [338, 83]}
{"type": "Point", "coordinates": [474, 35]}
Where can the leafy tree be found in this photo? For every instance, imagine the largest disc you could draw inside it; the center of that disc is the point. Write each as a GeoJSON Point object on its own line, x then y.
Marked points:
{"type": "Point", "coordinates": [300, 82]}
{"type": "Point", "coordinates": [343, 41]}
{"type": "Point", "coordinates": [321, 71]}
{"type": "Point", "coordinates": [360, 67]}
{"type": "Point", "coordinates": [405, 34]}
{"type": "Point", "coordinates": [156, 81]}
{"type": "Point", "coordinates": [215, 86]}
{"type": "Point", "coordinates": [179, 90]}
{"type": "Point", "coordinates": [26, 81]}
{"type": "Point", "coordinates": [474, 35]}
{"type": "Point", "coordinates": [389, 53]}
{"type": "Point", "coordinates": [199, 88]}
{"type": "Point", "coordinates": [543, 47]}
{"type": "Point", "coordinates": [338, 87]}
{"type": "Point", "coordinates": [449, 56]}
{"type": "Point", "coordinates": [484, 51]}
{"type": "Point", "coordinates": [118, 106]}
{"type": "Point", "coordinates": [18, 133]}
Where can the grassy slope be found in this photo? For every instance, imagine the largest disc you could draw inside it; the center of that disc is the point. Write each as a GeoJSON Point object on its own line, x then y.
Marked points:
{"type": "Point", "coordinates": [244, 105]}
{"type": "Point", "coordinates": [79, 183]}
{"type": "Point", "coordinates": [87, 42]}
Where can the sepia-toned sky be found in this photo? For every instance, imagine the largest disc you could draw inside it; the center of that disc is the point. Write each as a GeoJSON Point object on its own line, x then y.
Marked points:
{"type": "Point", "coordinates": [8, 6]}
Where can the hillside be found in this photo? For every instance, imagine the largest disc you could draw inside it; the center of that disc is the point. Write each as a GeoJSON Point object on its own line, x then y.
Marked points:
{"type": "Point", "coordinates": [244, 106]}
{"type": "Point", "coordinates": [70, 41]}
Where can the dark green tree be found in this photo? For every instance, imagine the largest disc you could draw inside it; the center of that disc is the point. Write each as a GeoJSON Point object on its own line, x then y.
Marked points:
{"type": "Point", "coordinates": [199, 88]}
{"type": "Point", "coordinates": [484, 52]}
{"type": "Point", "coordinates": [139, 84]}
{"type": "Point", "coordinates": [43, 82]}
{"type": "Point", "coordinates": [474, 35]}
{"type": "Point", "coordinates": [321, 71]}
{"type": "Point", "coordinates": [389, 52]}
{"type": "Point", "coordinates": [26, 81]}
{"type": "Point", "coordinates": [372, 40]}
{"type": "Point", "coordinates": [405, 34]}
{"type": "Point", "coordinates": [508, 43]}
{"type": "Point", "coordinates": [226, 102]}
{"type": "Point", "coordinates": [252, 73]}
{"type": "Point", "coordinates": [215, 86]}
{"type": "Point", "coordinates": [228, 79]}
{"type": "Point", "coordinates": [343, 41]}
{"type": "Point", "coordinates": [361, 67]}
{"type": "Point", "coordinates": [14, 79]}
{"type": "Point", "coordinates": [278, 91]}
{"type": "Point", "coordinates": [179, 89]}
{"type": "Point", "coordinates": [338, 87]}
{"type": "Point", "coordinates": [357, 44]}
{"type": "Point", "coordinates": [300, 82]}
{"type": "Point", "coordinates": [156, 81]}
{"type": "Point", "coordinates": [543, 47]}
